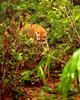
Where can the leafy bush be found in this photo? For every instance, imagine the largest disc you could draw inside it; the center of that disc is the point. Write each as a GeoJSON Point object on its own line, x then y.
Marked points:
{"type": "Point", "coordinates": [62, 21]}
{"type": "Point", "coordinates": [71, 73]}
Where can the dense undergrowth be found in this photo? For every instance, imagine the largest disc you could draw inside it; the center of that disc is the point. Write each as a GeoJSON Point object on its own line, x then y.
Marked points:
{"type": "Point", "coordinates": [22, 60]}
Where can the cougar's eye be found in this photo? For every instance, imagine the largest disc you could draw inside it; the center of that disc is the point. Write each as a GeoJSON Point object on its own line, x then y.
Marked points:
{"type": "Point", "coordinates": [44, 37]}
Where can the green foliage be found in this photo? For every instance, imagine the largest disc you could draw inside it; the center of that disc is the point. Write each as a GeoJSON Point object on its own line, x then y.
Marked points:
{"type": "Point", "coordinates": [59, 17]}
{"type": "Point", "coordinates": [44, 65]}
{"type": "Point", "coordinates": [38, 71]}
{"type": "Point", "coordinates": [17, 55]}
{"type": "Point", "coordinates": [26, 75]}
{"type": "Point", "coordinates": [41, 69]}
{"type": "Point", "coordinates": [71, 73]}
{"type": "Point", "coordinates": [62, 21]}
{"type": "Point", "coordinates": [6, 81]}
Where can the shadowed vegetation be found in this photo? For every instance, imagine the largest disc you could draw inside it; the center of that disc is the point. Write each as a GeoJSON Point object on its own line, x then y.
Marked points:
{"type": "Point", "coordinates": [29, 70]}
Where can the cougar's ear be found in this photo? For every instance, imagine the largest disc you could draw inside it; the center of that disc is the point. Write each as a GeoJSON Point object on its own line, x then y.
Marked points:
{"type": "Point", "coordinates": [37, 36]}
{"type": "Point", "coordinates": [36, 33]}
{"type": "Point", "coordinates": [46, 33]}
